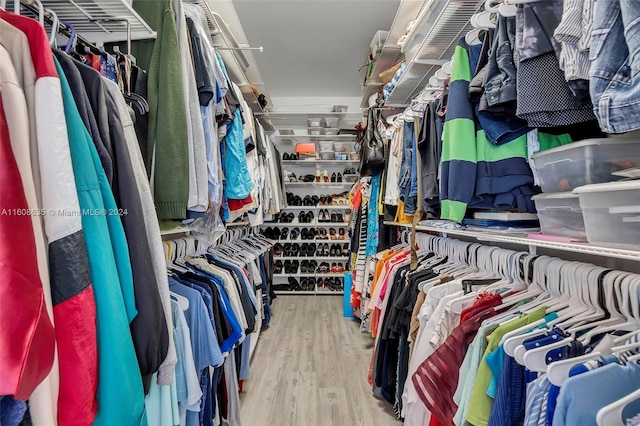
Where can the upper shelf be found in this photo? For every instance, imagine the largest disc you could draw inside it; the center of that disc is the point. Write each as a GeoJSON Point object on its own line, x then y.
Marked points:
{"type": "Point", "coordinates": [431, 43]}
{"type": "Point", "coordinates": [313, 139]}
{"type": "Point", "coordinates": [390, 54]}
{"type": "Point", "coordinates": [99, 21]}
{"type": "Point", "coordinates": [298, 119]}
{"type": "Point", "coordinates": [524, 240]}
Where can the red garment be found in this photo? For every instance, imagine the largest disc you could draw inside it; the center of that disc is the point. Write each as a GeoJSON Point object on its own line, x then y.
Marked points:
{"type": "Point", "coordinates": [238, 204]}
{"type": "Point", "coordinates": [27, 338]}
{"type": "Point", "coordinates": [436, 379]}
{"type": "Point", "coordinates": [71, 291]}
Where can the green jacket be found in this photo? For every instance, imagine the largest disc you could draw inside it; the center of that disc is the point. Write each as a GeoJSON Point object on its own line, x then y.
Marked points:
{"type": "Point", "coordinates": [167, 135]}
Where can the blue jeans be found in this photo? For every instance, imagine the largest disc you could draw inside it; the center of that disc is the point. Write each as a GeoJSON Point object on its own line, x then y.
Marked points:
{"type": "Point", "coordinates": [615, 64]}
{"type": "Point", "coordinates": [404, 179]}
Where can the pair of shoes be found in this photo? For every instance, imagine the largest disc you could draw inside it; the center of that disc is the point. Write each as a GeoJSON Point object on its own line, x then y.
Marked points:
{"type": "Point", "coordinates": [286, 217]}
{"type": "Point", "coordinates": [308, 266]}
{"type": "Point", "coordinates": [291, 250]}
{"type": "Point", "coordinates": [271, 233]}
{"type": "Point", "coordinates": [307, 250]}
{"type": "Point", "coordinates": [324, 216]}
{"type": "Point", "coordinates": [323, 268]}
{"type": "Point", "coordinates": [293, 200]}
{"type": "Point", "coordinates": [291, 266]}
{"type": "Point", "coordinates": [335, 284]}
{"type": "Point", "coordinates": [340, 235]}
{"type": "Point", "coordinates": [305, 217]}
{"type": "Point", "coordinates": [325, 200]}
{"type": "Point", "coordinates": [306, 234]}
{"type": "Point", "coordinates": [322, 234]}
{"type": "Point", "coordinates": [349, 171]}
{"type": "Point", "coordinates": [293, 156]}
{"type": "Point", "coordinates": [277, 267]}
{"type": "Point", "coordinates": [293, 284]}
{"type": "Point", "coordinates": [310, 200]}
{"type": "Point", "coordinates": [336, 251]}
{"type": "Point", "coordinates": [336, 177]}
{"type": "Point", "coordinates": [307, 284]}
{"type": "Point", "coordinates": [336, 217]}
{"type": "Point", "coordinates": [337, 268]}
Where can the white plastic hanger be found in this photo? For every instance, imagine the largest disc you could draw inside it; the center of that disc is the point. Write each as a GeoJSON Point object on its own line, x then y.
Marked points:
{"type": "Point", "coordinates": [508, 10]}
{"type": "Point", "coordinates": [40, 11]}
{"type": "Point", "coordinates": [183, 302]}
{"type": "Point", "coordinates": [492, 5]}
{"type": "Point", "coordinates": [611, 415]}
{"type": "Point", "coordinates": [558, 372]}
{"type": "Point", "coordinates": [16, 7]}
{"type": "Point", "coordinates": [3, 4]}
{"type": "Point", "coordinates": [55, 26]}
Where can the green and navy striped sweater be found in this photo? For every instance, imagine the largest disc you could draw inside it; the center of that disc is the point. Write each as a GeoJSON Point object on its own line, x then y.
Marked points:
{"type": "Point", "coordinates": [474, 172]}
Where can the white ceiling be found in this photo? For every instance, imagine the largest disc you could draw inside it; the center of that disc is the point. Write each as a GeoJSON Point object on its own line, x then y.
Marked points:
{"type": "Point", "coordinates": [313, 48]}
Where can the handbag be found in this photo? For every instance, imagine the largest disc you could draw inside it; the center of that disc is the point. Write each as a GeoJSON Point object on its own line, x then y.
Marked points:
{"type": "Point", "coordinates": [372, 151]}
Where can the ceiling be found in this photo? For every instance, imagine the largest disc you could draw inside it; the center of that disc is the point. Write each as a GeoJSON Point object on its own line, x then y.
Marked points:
{"type": "Point", "coordinates": [313, 48]}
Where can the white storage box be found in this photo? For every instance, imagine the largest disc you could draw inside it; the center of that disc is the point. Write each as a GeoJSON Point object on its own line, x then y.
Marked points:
{"type": "Point", "coordinates": [585, 162]}
{"type": "Point", "coordinates": [314, 131]}
{"type": "Point", "coordinates": [331, 121]}
{"type": "Point", "coordinates": [326, 146]}
{"type": "Point", "coordinates": [560, 215]}
{"type": "Point", "coordinates": [611, 213]}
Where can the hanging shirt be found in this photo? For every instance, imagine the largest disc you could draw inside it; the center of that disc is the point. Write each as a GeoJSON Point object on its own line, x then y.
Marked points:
{"type": "Point", "coordinates": [578, 403]}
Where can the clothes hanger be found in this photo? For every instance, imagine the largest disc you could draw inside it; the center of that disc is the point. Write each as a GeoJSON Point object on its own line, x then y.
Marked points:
{"type": "Point", "coordinates": [40, 10]}
{"type": "Point", "coordinates": [3, 4]}
{"type": "Point", "coordinates": [183, 302]}
{"type": "Point", "coordinates": [55, 26]}
{"type": "Point", "coordinates": [627, 294]}
{"type": "Point", "coordinates": [611, 415]}
{"type": "Point", "coordinates": [508, 10]}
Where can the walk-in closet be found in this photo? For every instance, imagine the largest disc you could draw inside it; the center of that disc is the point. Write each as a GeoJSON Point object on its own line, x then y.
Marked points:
{"type": "Point", "coordinates": [319, 212]}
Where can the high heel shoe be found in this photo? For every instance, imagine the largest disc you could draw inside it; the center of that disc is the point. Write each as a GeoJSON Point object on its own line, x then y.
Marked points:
{"type": "Point", "coordinates": [325, 176]}
{"type": "Point", "coordinates": [333, 177]}
{"type": "Point", "coordinates": [317, 179]}
{"type": "Point", "coordinates": [342, 234]}
{"type": "Point", "coordinates": [339, 177]}
{"type": "Point", "coordinates": [345, 250]}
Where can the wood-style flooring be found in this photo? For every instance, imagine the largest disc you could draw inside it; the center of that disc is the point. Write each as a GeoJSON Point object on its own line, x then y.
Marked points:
{"type": "Point", "coordinates": [310, 368]}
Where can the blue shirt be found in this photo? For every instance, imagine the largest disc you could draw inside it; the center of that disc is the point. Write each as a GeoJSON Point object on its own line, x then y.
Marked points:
{"type": "Point", "coordinates": [582, 396]}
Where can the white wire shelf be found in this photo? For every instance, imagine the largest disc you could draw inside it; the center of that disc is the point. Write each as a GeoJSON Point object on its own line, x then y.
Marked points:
{"type": "Point", "coordinates": [99, 20]}
{"type": "Point", "coordinates": [532, 243]}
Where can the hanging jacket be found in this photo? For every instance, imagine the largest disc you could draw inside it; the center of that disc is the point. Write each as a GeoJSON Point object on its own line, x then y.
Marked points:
{"type": "Point", "coordinates": [167, 142]}
{"type": "Point", "coordinates": [70, 280]}
{"type": "Point", "coordinates": [149, 329]}
{"type": "Point", "coordinates": [120, 395]}
{"type": "Point", "coordinates": [27, 339]}
{"type": "Point", "coordinates": [153, 239]}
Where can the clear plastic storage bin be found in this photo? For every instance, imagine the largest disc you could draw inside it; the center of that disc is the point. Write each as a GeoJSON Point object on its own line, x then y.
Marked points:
{"type": "Point", "coordinates": [343, 146]}
{"type": "Point", "coordinates": [611, 213]}
{"type": "Point", "coordinates": [314, 122]}
{"type": "Point", "coordinates": [331, 121]}
{"type": "Point", "coordinates": [314, 131]}
{"type": "Point", "coordinates": [326, 146]}
{"type": "Point", "coordinates": [585, 162]}
{"type": "Point", "coordinates": [560, 215]}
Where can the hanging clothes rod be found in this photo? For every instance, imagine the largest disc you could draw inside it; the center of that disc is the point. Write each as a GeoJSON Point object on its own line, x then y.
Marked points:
{"type": "Point", "coordinates": [260, 49]}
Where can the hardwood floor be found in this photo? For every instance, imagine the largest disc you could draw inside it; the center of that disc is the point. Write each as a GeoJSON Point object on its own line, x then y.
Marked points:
{"type": "Point", "coordinates": [310, 368]}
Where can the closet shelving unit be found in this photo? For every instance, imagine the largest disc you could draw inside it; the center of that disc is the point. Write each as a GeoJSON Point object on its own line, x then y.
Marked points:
{"type": "Point", "coordinates": [286, 143]}
{"type": "Point", "coordinates": [97, 21]}
{"type": "Point", "coordinates": [432, 40]}
{"type": "Point", "coordinates": [390, 54]}
{"type": "Point", "coordinates": [533, 244]}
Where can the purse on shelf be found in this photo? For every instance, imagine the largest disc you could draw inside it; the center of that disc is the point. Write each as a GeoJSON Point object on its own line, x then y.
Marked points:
{"type": "Point", "coordinates": [372, 150]}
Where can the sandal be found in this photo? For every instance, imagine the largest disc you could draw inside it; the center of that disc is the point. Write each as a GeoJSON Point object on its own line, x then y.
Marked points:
{"type": "Point", "coordinates": [345, 250]}
{"type": "Point", "coordinates": [342, 234]}
{"type": "Point", "coordinates": [278, 267]}
{"type": "Point", "coordinates": [277, 249]}
{"type": "Point", "coordinates": [284, 232]}
{"type": "Point", "coordinates": [340, 268]}
{"type": "Point", "coordinates": [334, 268]}
{"type": "Point", "coordinates": [332, 233]}
{"type": "Point", "coordinates": [325, 176]}
{"type": "Point", "coordinates": [286, 250]}
{"type": "Point", "coordinates": [334, 216]}
{"type": "Point", "coordinates": [295, 232]}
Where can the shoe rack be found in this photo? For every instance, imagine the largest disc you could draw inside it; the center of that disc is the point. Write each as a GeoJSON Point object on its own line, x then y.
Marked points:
{"type": "Point", "coordinates": [311, 235]}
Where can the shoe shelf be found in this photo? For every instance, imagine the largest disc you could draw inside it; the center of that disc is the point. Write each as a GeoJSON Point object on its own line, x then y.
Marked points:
{"type": "Point", "coordinates": [308, 225]}
{"type": "Point", "coordinates": [321, 184]}
{"type": "Point", "coordinates": [296, 292]}
{"type": "Point", "coordinates": [318, 207]}
{"type": "Point", "coordinates": [314, 161]}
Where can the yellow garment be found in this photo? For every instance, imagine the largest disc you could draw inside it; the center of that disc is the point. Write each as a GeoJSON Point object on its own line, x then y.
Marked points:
{"type": "Point", "coordinates": [481, 404]}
